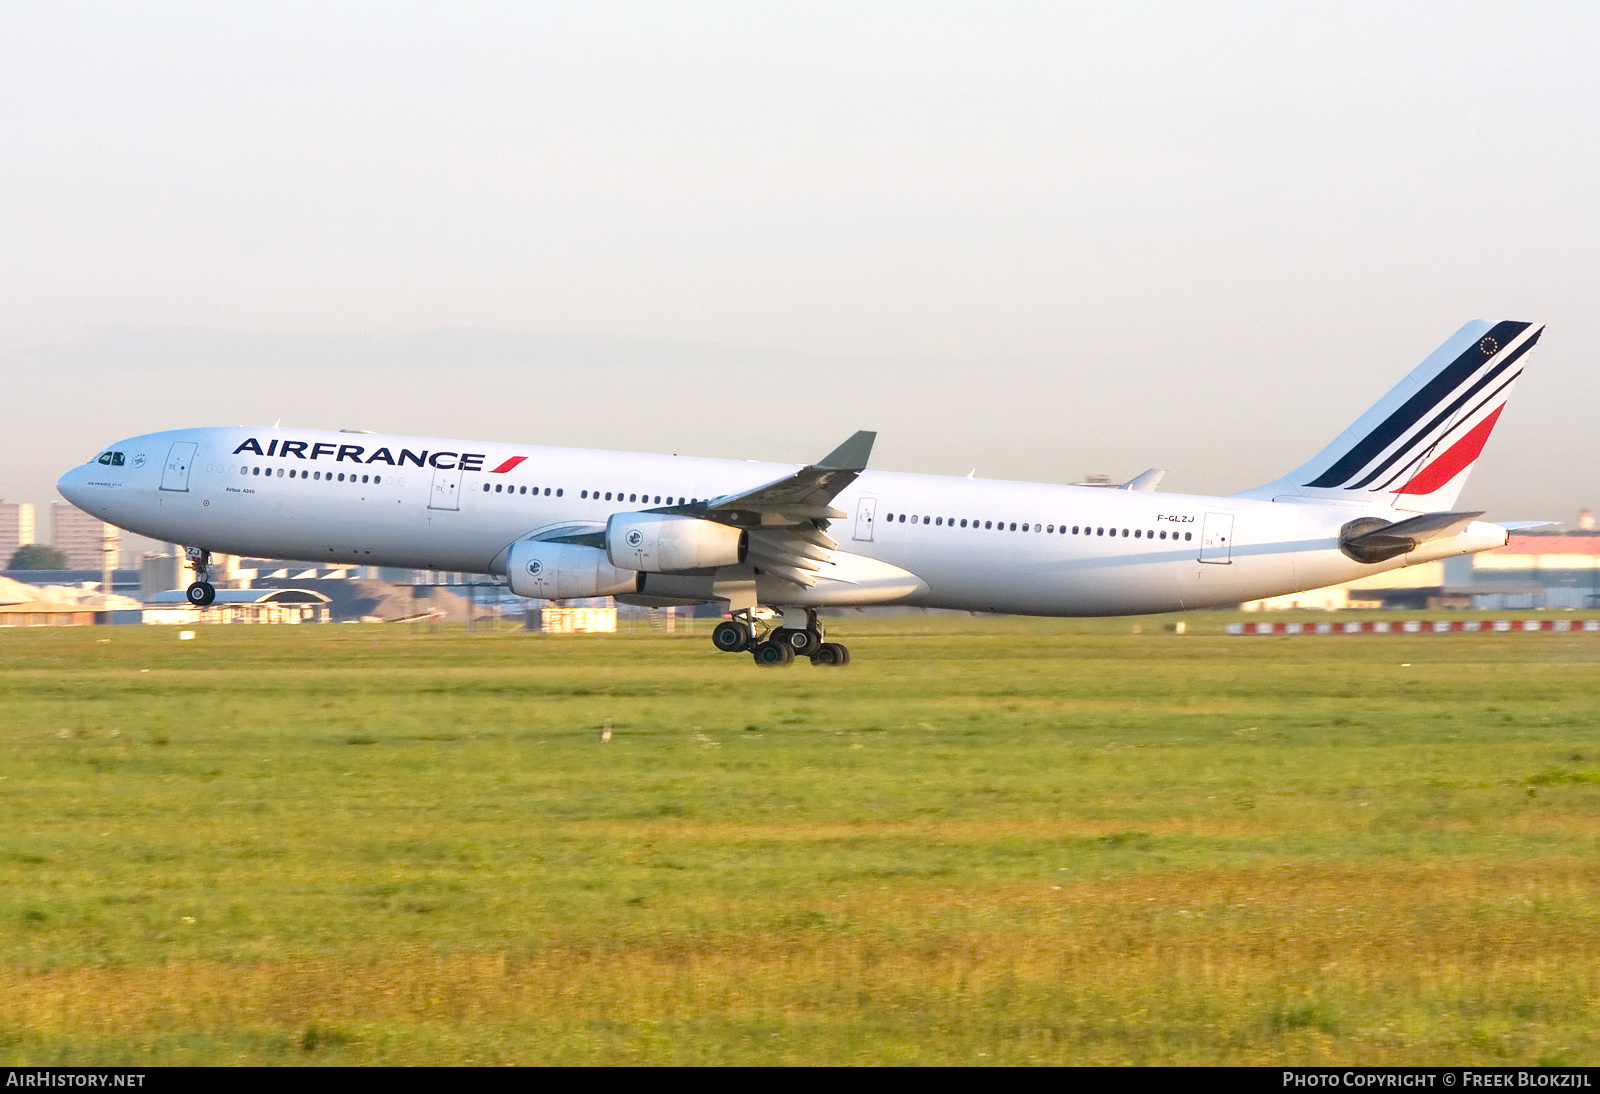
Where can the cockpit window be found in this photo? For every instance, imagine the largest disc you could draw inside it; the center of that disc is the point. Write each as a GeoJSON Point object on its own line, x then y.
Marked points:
{"type": "Point", "coordinates": [116, 459]}
{"type": "Point", "coordinates": [105, 458]}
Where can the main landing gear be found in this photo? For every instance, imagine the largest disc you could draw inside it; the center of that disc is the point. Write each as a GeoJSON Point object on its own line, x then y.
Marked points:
{"type": "Point", "coordinates": [202, 593]}
{"type": "Point", "coordinates": [780, 645]}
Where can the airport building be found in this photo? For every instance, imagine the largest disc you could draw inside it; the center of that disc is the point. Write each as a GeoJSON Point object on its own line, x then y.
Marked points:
{"type": "Point", "coordinates": [16, 528]}
{"type": "Point", "coordinates": [89, 544]}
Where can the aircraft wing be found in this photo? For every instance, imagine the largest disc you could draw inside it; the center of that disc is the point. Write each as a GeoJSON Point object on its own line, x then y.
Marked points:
{"type": "Point", "coordinates": [787, 517]}
{"type": "Point", "coordinates": [794, 499]}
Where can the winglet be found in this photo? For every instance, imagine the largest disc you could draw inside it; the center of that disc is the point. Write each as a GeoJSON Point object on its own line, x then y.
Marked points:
{"type": "Point", "coordinates": [1145, 481]}
{"type": "Point", "coordinates": [852, 455]}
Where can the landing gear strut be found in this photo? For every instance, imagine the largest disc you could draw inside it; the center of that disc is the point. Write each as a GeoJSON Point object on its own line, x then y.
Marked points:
{"type": "Point", "coordinates": [202, 592]}
{"type": "Point", "coordinates": [780, 645]}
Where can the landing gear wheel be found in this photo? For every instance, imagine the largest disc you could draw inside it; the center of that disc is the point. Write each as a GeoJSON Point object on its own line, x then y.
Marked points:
{"type": "Point", "coordinates": [831, 653]}
{"type": "Point", "coordinates": [802, 642]}
{"type": "Point", "coordinates": [730, 636]}
{"type": "Point", "coordinates": [773, 653]}
{"type": "Point", "coordinates": [201, 594]}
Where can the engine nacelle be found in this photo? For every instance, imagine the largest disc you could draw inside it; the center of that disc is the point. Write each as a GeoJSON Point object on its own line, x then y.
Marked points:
{"type": "Point", "coordinates": [660, 543]}
{"type": "Point", "coordinates": [565, 571]}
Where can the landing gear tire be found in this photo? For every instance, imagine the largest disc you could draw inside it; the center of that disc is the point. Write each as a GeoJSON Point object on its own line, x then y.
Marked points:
{"type": "Point", "coordinates": [803, 642]}
{"type": "Point", "coordinates": [201, 594]}
{"type": "Point", "coordinates": [831, 653]}
{"type": "Point", "coordinates": [730, 636]}
{"type": "Point", "coordinates": [773, 654]}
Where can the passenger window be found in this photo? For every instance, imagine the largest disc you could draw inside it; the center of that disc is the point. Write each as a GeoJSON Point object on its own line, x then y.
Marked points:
{"type": "Point", "coordinates": [913, 518]}
{"type": "Point", "coordinates": [485, 488]}
{"type": "Point", "coordinates": [255, 471]}
{"type": "Point", "coordinates": [986, 524]}
{"type": "Point", "coordinates": [1099, 531]}
{"type": "Point", "coordinates": [376, 479]}
{"type": "Point", "coordinates": [1051, 529]}
{"type": "Point", "coordinates": [558, 493]}
{"type": "Point", "coordinates": [938, 522]}
{"type": "Point", "coordinates": [1188, 535]}
{"type": "Point", "coordinates": [1013, 526]}
{"type": "Point", "coordinates": [280, 473]}
{"type": "Point", "coordinates": [963, 522]}
{"type": "Point", "coordinates": [585, 494]}
{"type": "Point", "coordinates": [608, 495]}
{"type": "Point", "coordinates": [902, 518]}
{"type": "Point", "coordinates": [1136, 533]}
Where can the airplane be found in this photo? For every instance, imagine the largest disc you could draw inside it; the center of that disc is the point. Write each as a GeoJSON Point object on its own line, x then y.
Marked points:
{"type": "Point", "coordinates": [775, 543]}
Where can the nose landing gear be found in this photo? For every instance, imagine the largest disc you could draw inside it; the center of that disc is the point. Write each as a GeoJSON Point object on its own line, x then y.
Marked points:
{"type": "Point", "coordinates": [202, 593]}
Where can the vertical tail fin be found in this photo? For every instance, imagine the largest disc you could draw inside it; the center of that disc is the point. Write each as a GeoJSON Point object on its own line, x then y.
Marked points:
{"type": "Point", "coordinates": [1413, 450]}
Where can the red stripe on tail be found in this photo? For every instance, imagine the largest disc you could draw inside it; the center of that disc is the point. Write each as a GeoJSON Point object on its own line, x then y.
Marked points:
{"type": "Point", "coordinates": [1455, 459]}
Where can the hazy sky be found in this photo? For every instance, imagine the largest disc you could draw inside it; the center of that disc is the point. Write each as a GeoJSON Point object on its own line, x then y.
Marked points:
{"type": "Point", "coordinates": [1038, 240]}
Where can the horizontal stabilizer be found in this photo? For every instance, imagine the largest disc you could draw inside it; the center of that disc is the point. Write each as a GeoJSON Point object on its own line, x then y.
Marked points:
{"type": "Point", "coordinates": [1372, 539]}
{"type": "Point", "coordinates": [1145, 481]}
{"type": "Point", "coordinates": [1524, 525]}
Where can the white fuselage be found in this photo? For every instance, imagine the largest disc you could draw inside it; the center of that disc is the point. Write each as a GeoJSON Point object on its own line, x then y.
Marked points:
{"type": "Point", "coordinates": [422, 503]}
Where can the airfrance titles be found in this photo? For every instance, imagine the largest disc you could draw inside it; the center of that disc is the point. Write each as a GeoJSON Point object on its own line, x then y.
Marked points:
{"type": "Point", "coordinates": [355, 453]}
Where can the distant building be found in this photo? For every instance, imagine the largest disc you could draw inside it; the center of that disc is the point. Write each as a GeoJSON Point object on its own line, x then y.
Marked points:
{"type": "Point", "coordinates": [88, 543]}
{"type": "Point", "coordinates": [16, 528]}
{"type": "Point", "coordinates": [231, 606]}
{"type": "Point", "coordinates": [595, 615]}
{"type": "Point", "coordinates": [1533, 571]}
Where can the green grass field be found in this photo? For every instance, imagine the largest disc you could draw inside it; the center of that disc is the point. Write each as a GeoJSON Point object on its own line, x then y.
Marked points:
{"type": "Point", "coordinates": [985, 841]}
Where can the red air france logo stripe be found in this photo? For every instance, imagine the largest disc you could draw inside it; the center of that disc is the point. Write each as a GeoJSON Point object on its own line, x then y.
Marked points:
{"type": "Point", "coordinates": [1455, 459]}
{"type": "Point", "coordinates": [508, 465]}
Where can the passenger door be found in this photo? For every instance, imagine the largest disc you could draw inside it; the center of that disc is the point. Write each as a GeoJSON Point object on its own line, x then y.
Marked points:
{"type": "Point", "coordinates": [1216, 539]}
{"type": "Point", "coordinates": [175, 475]}
{"type": "Point", "coordinates": [866, 513]}
{"type": "Point", "coordinates": [446, 493]}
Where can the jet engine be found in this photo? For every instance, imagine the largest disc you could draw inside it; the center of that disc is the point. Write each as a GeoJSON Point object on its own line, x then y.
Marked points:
{"type": "Point", "coordinates": [661, 543]}
{"type": "Point", "coordinates": [565, 571]}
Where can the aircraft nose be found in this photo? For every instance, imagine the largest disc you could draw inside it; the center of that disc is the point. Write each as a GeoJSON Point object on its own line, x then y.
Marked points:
{"type": "Point", "coordinates": [71, 486]}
